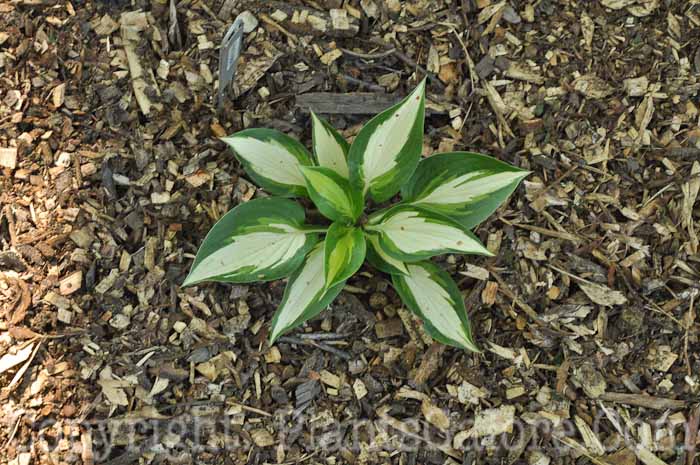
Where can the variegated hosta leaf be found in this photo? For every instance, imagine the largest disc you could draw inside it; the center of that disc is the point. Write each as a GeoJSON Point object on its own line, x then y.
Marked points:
{"type": "Point", "coordinates": [467, 187]}
{"type": "Point", "coordinates": [330, 148]}
{"type": "Point", "coordinates": [381, 260]}
{"type": "Point", "coordinates": [259, 240]}
{"type": "Point", "coordinates": [272, 159]}
{"type": "Point", "coordinates": [433, 296]}
{"type": "Point", "coordinates": [332, 194]}
{"type": "Point", "coordinates": [344, 254]}
{"type": "Point", "coordinates": [385, 153]}
{"type": "Point", "coordinates": [305, 295]}
{"type": "Point", "coordinates": [410, 233]}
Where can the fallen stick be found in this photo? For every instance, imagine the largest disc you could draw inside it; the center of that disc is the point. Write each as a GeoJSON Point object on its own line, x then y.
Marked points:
{"type": "Point", "coordinates": [643, 400]}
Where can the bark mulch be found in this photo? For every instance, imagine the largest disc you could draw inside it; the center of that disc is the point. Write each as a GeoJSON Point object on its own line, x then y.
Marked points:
{"type": "Point", "coordinates": [112, 173]}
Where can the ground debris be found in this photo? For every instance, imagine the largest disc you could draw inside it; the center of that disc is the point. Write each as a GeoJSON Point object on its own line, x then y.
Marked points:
{"type": "Point", "coordinates": [113, 172]}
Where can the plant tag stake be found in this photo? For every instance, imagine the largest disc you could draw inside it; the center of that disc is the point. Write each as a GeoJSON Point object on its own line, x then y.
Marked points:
{"type": "Point", "coordinates": [228, 57]}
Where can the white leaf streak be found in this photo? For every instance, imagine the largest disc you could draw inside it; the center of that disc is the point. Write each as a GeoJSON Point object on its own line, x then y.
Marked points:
{"type": "Point", "coordinates": [269, 159]}
{"type": "Point", "coordinates": [329, 153]}
{"type": "Point", "coordinates": [399, 265]}
{"type": "Point", "coordinates": [302, 292]}
{"type": "Point", "coordinates": [412, 233]}
{"type": "Point", "coordinates": [469, 186]}
{"type": "Point", "coordinates": [436, 304]}
{"type": "Point", "coordinates": [387, 140]}
{"type": "Point", "coordinates": [262, 250]}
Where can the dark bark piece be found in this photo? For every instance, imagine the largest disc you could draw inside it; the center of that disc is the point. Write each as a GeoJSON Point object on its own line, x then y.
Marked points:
{"type": "Point", "coordinates": [306, 392]}
{"type": "Point", "coordinates": [352, 103]}
{"type": "Point", "coordinates": [430, 364]}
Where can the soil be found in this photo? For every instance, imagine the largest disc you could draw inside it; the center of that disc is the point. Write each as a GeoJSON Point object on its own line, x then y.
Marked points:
{"type": "Point", "coordinates": [112, 173]}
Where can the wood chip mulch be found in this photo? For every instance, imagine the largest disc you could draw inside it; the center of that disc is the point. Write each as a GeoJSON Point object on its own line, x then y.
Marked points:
{"type": "Point", "coordinates": [112, 174]}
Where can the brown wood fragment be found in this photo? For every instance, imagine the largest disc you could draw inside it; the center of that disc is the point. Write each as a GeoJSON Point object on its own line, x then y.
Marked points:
{"type": "Point", "coordinates": [643, 400]}
{"type": "Point", "coordinates": [20, 304]}
{"type": "Point", "coordinates": [488, 295]}
{"type": "Point", "coordinates": [71, 283]}
{"type": "Point", "coordinates": [389, 328]}
{"type": "Point", "coordinates": [429, 364]}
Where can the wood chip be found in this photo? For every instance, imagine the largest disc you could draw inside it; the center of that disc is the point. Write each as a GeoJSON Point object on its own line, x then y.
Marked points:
{"type": "Point", "coordinates": [488, 295]}
{"type": "Point", "coordinates": [494, 421]}
{"type": "Point", "coordinates": [262, 437]}
{"type": "Point", "coordinates": [359, 388]}
{"type": "Point", "coordinates": [10, 360]}
{"type": "Point", "coordinates": [602, 295]}
{"type": "Point", "coordinates": [389, 328]}
{"type": "Point", "coordinates": [330, 379]}
{"type": "Point", "coordinates": [58, 95]}
{"type": "Point", "coordinates": [592, 86]}
{"type": "Point", "coordinates": [8, 157]}
{"type": "Point", "coordinates": [71, 283]}
{"type": "Point", "coordinates": [435, 415]}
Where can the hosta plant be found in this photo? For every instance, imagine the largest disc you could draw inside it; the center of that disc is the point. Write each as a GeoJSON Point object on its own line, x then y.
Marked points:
{"type": "Point", "coordinates": [442, 198]}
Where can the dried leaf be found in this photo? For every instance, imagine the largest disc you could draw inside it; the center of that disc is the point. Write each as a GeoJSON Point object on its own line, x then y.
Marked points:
{"type": "Point", "coordinates": [11, 360]}
{"type": "Point", "coordinates": [602, 295]}
{"type": "Point", "coordinates": [112, 389]}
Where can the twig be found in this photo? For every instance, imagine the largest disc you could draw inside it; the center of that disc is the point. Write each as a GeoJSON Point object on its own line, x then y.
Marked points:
{"type": "Point", "coordinates": [412, 63]}
{"type": "Point", "coordinates": [319, 345]}
{"type": "Point", "coordinates": [689, 320]}
{"type": "Point", "coordinates": [580, 448]}
{"type": "Point", "coordinates": [505, 289]}
{"type": "Point", "coordinates": [684, 152]}
{"type": "Point", "coordinates": [361, 83]}
{"type": "Point", "coordinates": [20, 373]}
{"type": "Point", "coordinates": [250, 409]}
{"type": "Point", "coordinates": [692, 436]}
{"type": "Point", "coordinates": [208, 11]}
{"type": "Point", "coordinates": [11, 224]}
{"type": "Point", "coordinates": [570, 275]}
{"type": "Point", "coordinates": [369, 56]}
{"type": "Point", "coordinates": [473, 76]}
{"type": "Point", "coordinates": [14, 430]}
{"type": "Point", "coordinates": [643, 400]}
{"type": "Point", "coordinates": [267, 20]}
{"type": "Point", "coordinates": [406, 430]}
{"type": "Point", "coordinates": [547, 232]}
{"type": "Point", "coordinates": [322, 336]}
{"type": "Point", "coordinates": [541, 192]}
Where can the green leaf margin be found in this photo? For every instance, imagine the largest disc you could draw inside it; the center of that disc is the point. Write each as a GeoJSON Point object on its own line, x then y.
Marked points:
{"type": "Point", "coordinates": [254, 215]}
{"type": "Point", "coordinates": [322, 200]}
{"type": "Point", "coordinates": [356, 256]}
{"type": "Point", "coordinates": [387, 185]}
{"type": "Point", "coordinates": [444, 167]}
{"type": "Point", "coordinates": [443, 279]}
{"type": "Point", "coordinates": [294, 147]}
